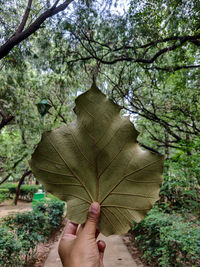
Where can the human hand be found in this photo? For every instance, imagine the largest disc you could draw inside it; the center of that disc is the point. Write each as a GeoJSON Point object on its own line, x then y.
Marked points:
{"type": "Point", "coordinates": [78, 246]}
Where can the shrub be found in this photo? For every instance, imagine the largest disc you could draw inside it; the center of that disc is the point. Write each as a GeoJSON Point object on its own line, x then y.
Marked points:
{"type": "Point", "coordinates": [27, 229]}
{"type": "Point", "coordinates": [168, 238]}
{"type": "Point", "coordinates": [10, 248]}
{"type": "Point", "coordinates": [26, 191]}
{"type": "Point", "coordinates": [4, 191]}
{"type": "Point", "coordinates": [54, 209]}
{"type": "Point", "coordinates": [181, 186]}
{"type": "Point", "coordinates": [4, 194]}
{"type": "Point", "coordinates": [2, 198]}
{"type": "Point", "coordinates": [55, 212]}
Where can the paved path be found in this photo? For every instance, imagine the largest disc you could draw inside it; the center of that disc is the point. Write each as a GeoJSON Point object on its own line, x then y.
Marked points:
{"type": "Point", "coordinates": [116, 254]}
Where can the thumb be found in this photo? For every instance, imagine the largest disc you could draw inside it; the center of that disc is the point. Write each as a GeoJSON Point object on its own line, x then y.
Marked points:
{"type": "Point", "coordinates": [92, 219]}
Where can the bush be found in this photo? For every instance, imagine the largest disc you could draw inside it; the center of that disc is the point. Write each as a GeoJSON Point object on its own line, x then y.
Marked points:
{"type": "Point", "coordinates": [54, 209]}
{"type": "Point", "coordinates": [179, 195]}
{"type": "Point", "coordinates": [55, 212]}
{"type": "Point", "coordinates": [181, 186]}
{"type": "Point", "coordinates": [4, 194]}
{"type": "Point", "coordinates": [29, 229]}
{"type": "Point", "coordinates": [26, 191]}
{"type": "Point", "coordinates": [10, 248]}
{"type": "Point", "coordinates": [8, 186]}
{"type": "Point", "coordinates": [4, 191]}
{"type": "Point", "coordinates": [168, 238]}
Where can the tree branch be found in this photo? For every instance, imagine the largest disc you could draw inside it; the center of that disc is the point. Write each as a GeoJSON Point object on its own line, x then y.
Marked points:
{"type": "Point", "coordinates": [25, 18]}
{"type": "Point", "coordinates": [13, 167]}
{"type": "Point", "coordinates": [124, 58]}
{"type": "Point", "coordinates": [5, 121]}
{"type": "Point", "coordinates": [149, 148]}
{"type": "Point", "coordinates": [175, 68]}
{"type": "Point", "coordinates": [15, 40]}
{"type": "Point", "coordinates": [58, 111]}
{"type": "Point", "coordinates": [55, 4]}
{"type": "Point", "coordinates": [191, 38]}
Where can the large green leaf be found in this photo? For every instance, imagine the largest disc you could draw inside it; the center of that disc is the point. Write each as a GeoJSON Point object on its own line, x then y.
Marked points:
{"type": "Point", "coordinates": [97, 158]}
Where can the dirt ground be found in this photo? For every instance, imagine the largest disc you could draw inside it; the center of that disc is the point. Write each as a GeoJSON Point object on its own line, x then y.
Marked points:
{"type": "Point", "coordinates": [135, 251]}
{"type": "Point", "coordinates": [43, 249]}
{"type": "Point", "coordinates": [8, 207]}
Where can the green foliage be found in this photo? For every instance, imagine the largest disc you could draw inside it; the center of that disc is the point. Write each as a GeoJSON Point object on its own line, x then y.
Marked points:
{"type": "Point", "coordinates": [4, 194]}
{"type": "Point", "coordinates": [26, 191]}
{"type": "Point", "coordinates": [169, 238]}
{"type": "Point", "coordinates": [10, 248]}
{"type": "Point", "coordinates": [163, 102]}
{"type": "Point", "coordinates": [3, 197]}
{"type": "Point", "coordinates": [181, 184]}
{"type": "Point", "coordinates": [53, 208]}
{"type": "Point", "coordinates": [31, 229]}
{"type": "Point", "coordinates": [4, 190]}
{"type": "Point", "coordinates": [20, 234]}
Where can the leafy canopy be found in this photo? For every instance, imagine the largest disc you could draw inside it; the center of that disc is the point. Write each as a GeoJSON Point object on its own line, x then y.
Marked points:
{"type": "Point", "coordinates": [97, 158]}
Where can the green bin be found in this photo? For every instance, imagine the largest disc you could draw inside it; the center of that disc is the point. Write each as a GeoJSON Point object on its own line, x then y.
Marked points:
{"type": "Point", "coordinates": [38, 197]}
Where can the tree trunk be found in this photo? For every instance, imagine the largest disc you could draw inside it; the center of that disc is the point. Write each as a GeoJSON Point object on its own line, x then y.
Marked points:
{"type": "Point", "coordinates": [26, 173]}
{"type": "Point", "coordinates": [166, 144]}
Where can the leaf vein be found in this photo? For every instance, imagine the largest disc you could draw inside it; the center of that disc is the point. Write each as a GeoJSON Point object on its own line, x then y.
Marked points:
{"type": "Point", "coordinates": [71, 170]}
{"type": "Point", "coordinates": [142, 168]}
{"type": "Point", "coordinates": [65, 184]}
{"type": "Point", "coordinates": [76, 144]}
{"type": "Point", "coordinates": [148, 182]}
{"type": "Point", "coordinates": [112, 160]}
{"type": "Point", "coordinates": [109, 140]}
{"type": "Point", "coordinates": [66, 194]}
{"type": "Point", "coordinates": [113, 226]}
{"type": "Point", "coordinates": [86, 111]}
{"type": "Point", "coordinates": [63, 174]}
{"type": "Point", "coordinates": [124, 207]}
{"type": "Point", "coordinates": [125, 216]}
{"type": "Point", "coordinates": [130, 194]}
{"type": "Point", "coordinates": [114, 215]}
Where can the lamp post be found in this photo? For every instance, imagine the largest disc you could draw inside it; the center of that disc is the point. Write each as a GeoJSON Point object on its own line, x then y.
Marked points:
{"type": "Point", "coordinates": [43, 107]}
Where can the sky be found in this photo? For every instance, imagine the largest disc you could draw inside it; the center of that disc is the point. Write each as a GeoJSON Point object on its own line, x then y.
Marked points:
{"type": "Point", "coordinates": [117, 7]}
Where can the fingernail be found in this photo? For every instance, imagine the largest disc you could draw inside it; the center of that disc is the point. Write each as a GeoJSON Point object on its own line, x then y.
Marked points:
{"type": "Point", "coordinates": [94, 208]}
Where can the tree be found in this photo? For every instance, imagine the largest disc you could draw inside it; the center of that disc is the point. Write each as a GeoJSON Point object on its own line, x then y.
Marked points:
{"type": "Point", "coordinates": [33, 76]}
{"type": "Point", "coordinates": [148, 62]}
{"type": "Point", "coordinates": [157, 34]}
{"type": "Point", "coordinates": [145, 47]}
{"type": "Point", "coordinates": [12, 35]}
{"type": "Point", "coordinates": [58, 62]}
{"type": "Point", "coordinates": [21, 33]}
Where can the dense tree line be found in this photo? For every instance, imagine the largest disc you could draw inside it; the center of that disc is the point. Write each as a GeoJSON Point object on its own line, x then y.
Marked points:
{"type": "Point", "coordinates": [144, 55]}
